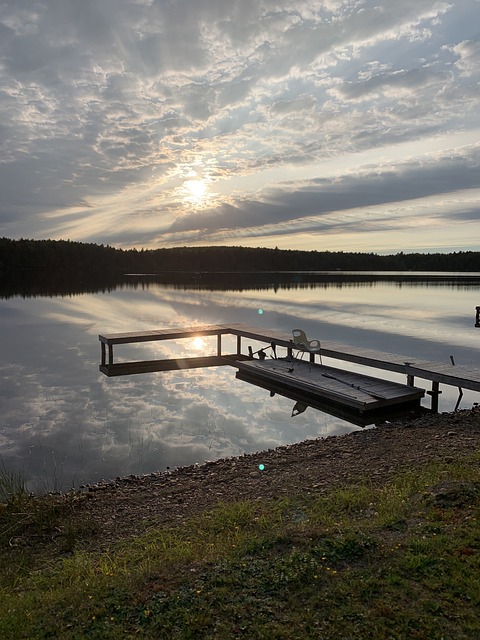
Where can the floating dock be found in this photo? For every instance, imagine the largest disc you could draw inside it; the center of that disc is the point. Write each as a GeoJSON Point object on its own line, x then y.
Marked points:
{"type": "Point", "coordinates": [357, 392]}
{"type": "Point", "coordinates": [307, 381]}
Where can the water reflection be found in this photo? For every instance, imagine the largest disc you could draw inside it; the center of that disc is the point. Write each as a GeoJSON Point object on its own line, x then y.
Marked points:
{"type": "Point", "coordinates": [57, 283]}
{"type": "Point", "coordinates": [63, 423]}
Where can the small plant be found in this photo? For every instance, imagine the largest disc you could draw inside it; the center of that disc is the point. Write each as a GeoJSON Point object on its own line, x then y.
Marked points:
{"type": "Point", "coordinates": [12, 486]}
{"type": "Point", "coordinates": [13, 504]}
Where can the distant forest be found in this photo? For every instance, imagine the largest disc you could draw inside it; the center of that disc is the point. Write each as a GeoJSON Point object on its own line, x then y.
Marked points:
{"type": "Point", "coordinates": [26, 258]}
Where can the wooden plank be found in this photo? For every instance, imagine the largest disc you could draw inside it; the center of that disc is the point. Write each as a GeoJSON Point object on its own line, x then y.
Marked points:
{"type": "Point", "coordinates": [446, 373]}
{"type": "Point", "coordinates": [150, 366]}
{"type": "Point", "coordinates": [171, 364]}
{"type": "Point", "coordinates": [162, 334]}
{"type": "Point", "coordinates": [366, 357]}
{"type": "Point", "coordinates": [454, 375]}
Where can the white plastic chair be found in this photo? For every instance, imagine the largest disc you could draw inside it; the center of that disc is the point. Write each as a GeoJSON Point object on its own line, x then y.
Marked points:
{"type": "Point", "coordinates": [302, 343]}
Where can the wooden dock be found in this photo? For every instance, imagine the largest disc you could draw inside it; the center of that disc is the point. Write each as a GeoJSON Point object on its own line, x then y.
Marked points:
{"type": "Point", "coordinates": [310, 380]}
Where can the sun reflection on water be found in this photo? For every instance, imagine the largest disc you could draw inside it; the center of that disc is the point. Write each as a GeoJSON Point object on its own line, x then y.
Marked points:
{"type": "Point", "coordinates": [198, 344]}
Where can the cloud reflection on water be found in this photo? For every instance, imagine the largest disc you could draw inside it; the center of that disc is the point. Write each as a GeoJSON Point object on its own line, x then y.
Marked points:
{"type": "Point", "coordinates": [63, 423]}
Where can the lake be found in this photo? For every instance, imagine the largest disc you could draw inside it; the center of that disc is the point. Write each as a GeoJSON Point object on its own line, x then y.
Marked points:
{"type": "Point", "coordinates": [63, 423]}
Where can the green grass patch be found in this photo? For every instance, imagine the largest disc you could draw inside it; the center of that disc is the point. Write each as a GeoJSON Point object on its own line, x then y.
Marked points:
{"type": "Point", "coordinates": [401, 561]}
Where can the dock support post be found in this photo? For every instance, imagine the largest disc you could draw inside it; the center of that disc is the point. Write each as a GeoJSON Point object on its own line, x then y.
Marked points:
{"type": "Point", "coordinates": [477, 318]}
{"type": "Point", "coordinates": [110, 354]}
{"type": "Point", "coordinates": [219, 345]}
{"type": "Point", "coordinates": [104, 355]}
{"type": "Point", "coordinates": [435, 392]}
{"type": "Point", "coordinates": [410, 377]}
{"type": "Point", "coordinates": [239, 345]}
{"type": "Point", "coordinates": [312, 357]}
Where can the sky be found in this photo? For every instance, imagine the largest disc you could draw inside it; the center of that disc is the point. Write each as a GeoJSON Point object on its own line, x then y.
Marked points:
{"type": "Point", "coordinates": [340, 125]}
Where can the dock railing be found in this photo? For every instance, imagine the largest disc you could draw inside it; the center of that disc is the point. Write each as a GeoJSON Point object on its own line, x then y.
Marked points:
{"type": "Point", "coordinates": [436, 372]}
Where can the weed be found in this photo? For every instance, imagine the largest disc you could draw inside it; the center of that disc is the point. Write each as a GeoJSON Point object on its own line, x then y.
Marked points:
{"type": "Point", "coordinates": [12, 486]}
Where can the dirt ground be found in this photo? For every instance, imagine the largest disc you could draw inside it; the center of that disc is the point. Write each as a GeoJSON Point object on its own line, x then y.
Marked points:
{"type": "Point", "coordinates": [132, 505]}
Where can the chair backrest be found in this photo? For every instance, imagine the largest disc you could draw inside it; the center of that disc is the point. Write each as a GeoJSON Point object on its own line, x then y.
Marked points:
{"type": "Point", "coordinates": [301, 341]}
{"type": "Point", "coordinates": [300, 338]}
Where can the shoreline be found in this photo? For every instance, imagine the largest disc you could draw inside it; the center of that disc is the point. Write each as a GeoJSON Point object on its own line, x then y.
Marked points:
{"type": "Point", "coordinates": [132, 505]}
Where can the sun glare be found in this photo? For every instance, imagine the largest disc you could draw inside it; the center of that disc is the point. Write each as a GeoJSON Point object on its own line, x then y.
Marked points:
{"type": "Point", "coordinates": [195, 189]}
{"type": "Point", "coordinates": [193, 185]}
{"type": "Point", "coordinates": [198, 344]}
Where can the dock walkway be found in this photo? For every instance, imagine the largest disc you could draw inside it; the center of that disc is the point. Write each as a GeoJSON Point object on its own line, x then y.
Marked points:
{"type": "Point", "coordinates": [436, 372]}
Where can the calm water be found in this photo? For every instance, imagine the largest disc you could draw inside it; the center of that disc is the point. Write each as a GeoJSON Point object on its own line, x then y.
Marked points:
{"type": "Point", "coordinates": [63, 423]}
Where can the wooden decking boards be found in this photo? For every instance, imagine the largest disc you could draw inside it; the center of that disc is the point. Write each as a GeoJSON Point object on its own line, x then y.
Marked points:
{"type": "Point", "coordinates": [358, 391]}
{"type": "Point", "coordinates": [339, 408]}
{"type": "Point", "coordinates": [308, 378]}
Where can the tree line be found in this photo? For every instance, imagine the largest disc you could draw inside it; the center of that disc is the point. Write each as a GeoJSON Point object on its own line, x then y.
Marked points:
{"type": "Point", "coordinates": [29, 257]}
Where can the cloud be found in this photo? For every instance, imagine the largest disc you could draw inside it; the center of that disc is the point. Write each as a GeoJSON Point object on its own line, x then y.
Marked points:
{"type": "Point", "coordinates": [395, 84]}
{"type": "Point", "coordinates": [108, 106]}
{"type": "Point", "coordinates": [468, 53]}
{"type": "Point", "coordinates": [315, 199]}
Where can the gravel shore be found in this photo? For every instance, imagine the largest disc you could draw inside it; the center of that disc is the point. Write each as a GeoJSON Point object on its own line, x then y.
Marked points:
{"type": "Point", "coordinates": [129, 506]}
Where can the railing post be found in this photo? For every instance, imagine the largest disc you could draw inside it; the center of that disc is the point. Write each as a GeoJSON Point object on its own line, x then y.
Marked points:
{"type": "Point", "coordinates": [410, 377]}
{"type": "Point", "coordinates": [435, 392]}
{"type": "Point", "coordinates": [239, 345]}
{"type": "Point", "coordinates": [290, 350]}
{"type": "Point", "coordinates": [219, 344]}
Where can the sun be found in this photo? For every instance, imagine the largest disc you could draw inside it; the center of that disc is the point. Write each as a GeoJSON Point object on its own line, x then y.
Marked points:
{"type": "Point", "coordinates": [195, 189]}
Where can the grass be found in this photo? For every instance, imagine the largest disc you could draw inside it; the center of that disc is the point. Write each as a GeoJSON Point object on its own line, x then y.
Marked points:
{"type": "Point", "coordinates": [400, 561]}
